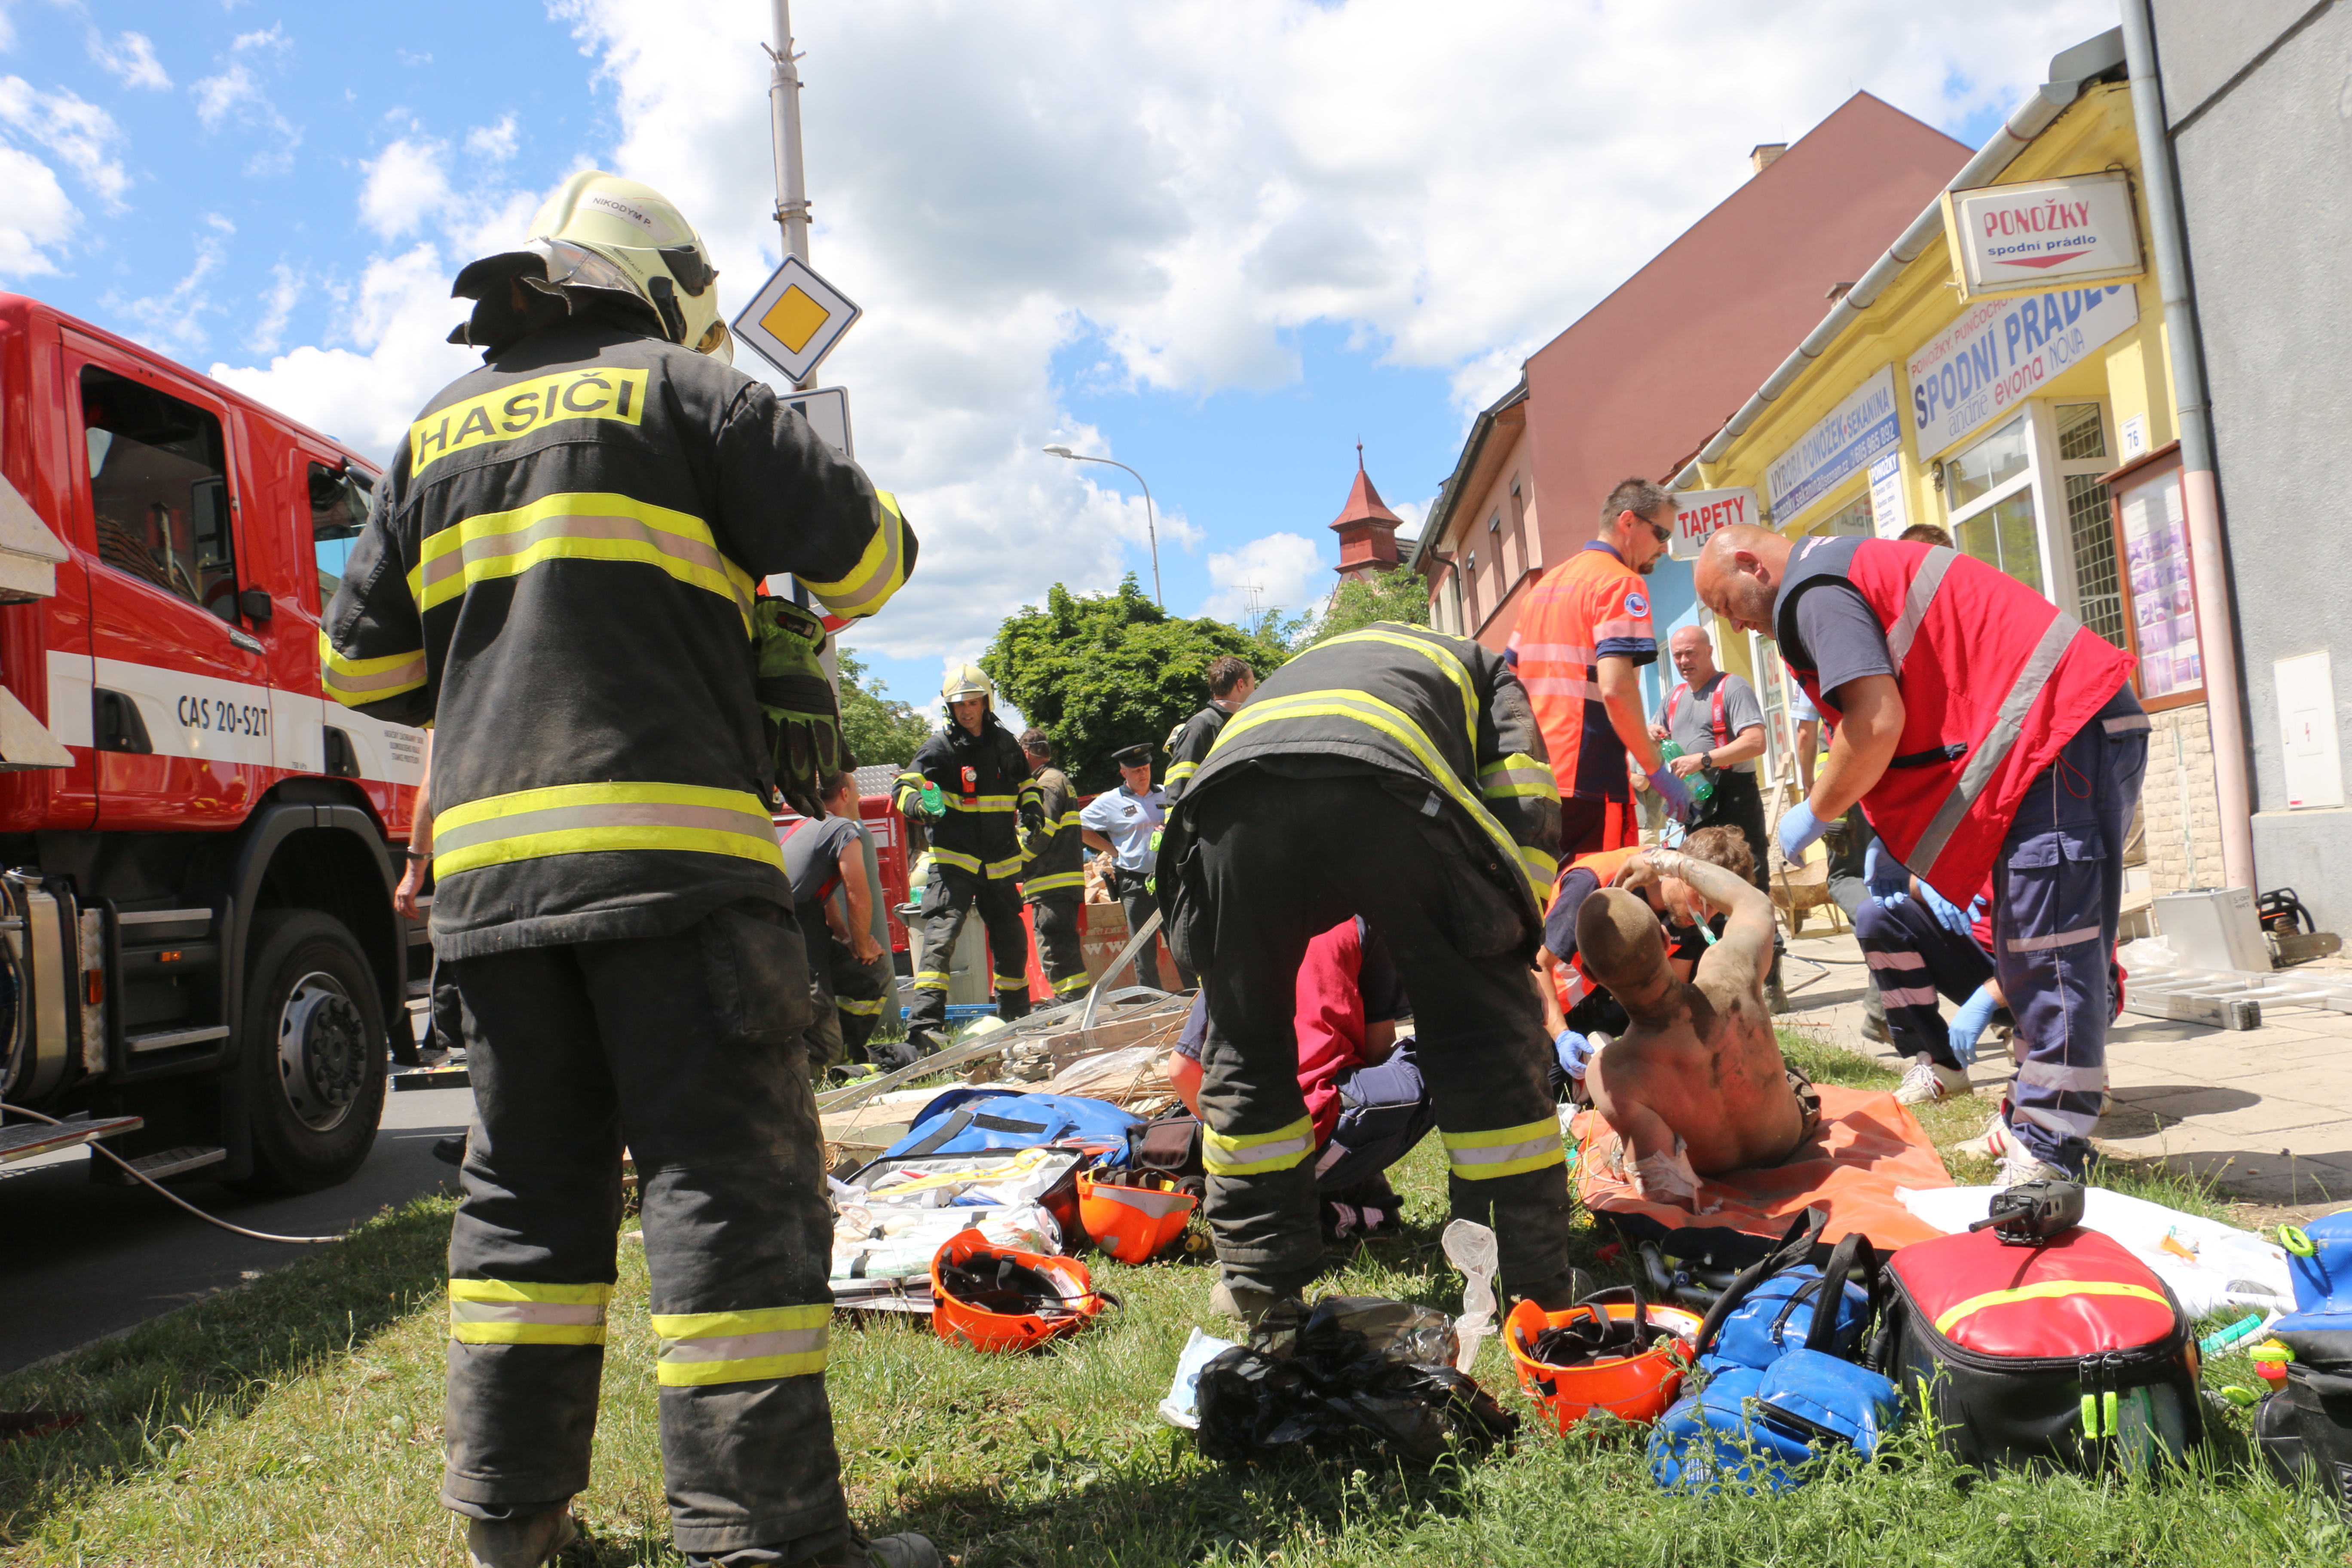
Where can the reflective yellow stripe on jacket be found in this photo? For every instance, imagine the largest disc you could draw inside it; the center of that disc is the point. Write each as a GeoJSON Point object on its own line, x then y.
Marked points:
{"type": "Point", "coordinates": [700, 1348]}
{"type": "Point", "coordinates": [523, 1312]}
{"type": "Point", "coordinates": [1247, 1155]}
{"type": "Point", "coordinates": [1453, 669]}
{"type": "Point", "coordinates": [1504, 1151]}
{"type": "Point", "coordinates": [578, 819]}
{"type": "Point", "coordinates": [1515, 775]}
{"type": "Point", "coordinates": [578, 526]}
{"type": "Point", "coordinates": [1055, 883]}
{"type": "Point", "coordinates": [355, 681]}
{"type": "Point", "coordinates": [1177, 774]}
{"type": "Point", "coordinates": [1362, 707]}
{"type": "Point", "coordinates": [880, 572]}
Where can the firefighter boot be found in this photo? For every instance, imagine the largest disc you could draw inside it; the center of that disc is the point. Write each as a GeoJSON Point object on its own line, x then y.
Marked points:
{"type": "Point", "coordinates": [908, 1550]}
{"type": "Point", "coordinates": [1241, 1303]}
{"type": "Point", "coordinates": [525, 1541]}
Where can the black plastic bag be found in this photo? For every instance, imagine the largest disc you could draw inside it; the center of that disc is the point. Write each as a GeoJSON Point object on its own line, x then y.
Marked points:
{"type": "Point", "coordinates": [1352, 1368]}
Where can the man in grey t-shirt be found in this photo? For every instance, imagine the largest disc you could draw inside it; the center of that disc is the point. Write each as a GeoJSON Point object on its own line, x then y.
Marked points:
{"type": "Point", "coordinates": [1714, 716]}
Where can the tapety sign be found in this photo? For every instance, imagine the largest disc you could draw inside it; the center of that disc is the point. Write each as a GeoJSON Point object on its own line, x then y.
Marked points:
{"type": "Point", "coordinates": [1698, 514]}
{"type": "Point", "coordinates": [2007, 238]}
{"type": "Point", "coordinates": [2001, 351]}
{"type": "Point", "coordinates": [1858, 431]}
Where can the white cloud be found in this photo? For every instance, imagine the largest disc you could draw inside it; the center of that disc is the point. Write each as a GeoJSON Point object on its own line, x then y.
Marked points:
{"type": "Point", "coordinates": [493, 144]}
{"type": "Point", "coordinates": [76, 130]}
{"type": "Point", "coordinates": [131, 60]}
{"type": "Point", "coordinates": [238, 93]}
{"type": "Point", "coordinates": [276, 307]}
{"type": "Point", "coordinates": [406, 185]}
{"type": "Point", "coordinates": [39, 218]}
{"type": "Point", "coordinates": [1278, 571]}
{"type": "Point", "coordinates": [173, 320]}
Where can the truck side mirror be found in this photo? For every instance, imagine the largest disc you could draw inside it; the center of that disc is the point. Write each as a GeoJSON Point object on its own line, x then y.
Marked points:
{"type": "Point", "coordinates": [255, 604]}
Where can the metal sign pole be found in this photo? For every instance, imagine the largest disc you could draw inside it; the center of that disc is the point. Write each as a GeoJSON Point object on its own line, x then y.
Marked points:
{"type": "Point", "coordinates": [784, 123]}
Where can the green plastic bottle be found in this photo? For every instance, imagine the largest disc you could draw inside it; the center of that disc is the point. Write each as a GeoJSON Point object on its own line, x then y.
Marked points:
{"type": "Point", "coordinates": [1700, 786]}
{"type": "Point", "coordinates": [935, 805]}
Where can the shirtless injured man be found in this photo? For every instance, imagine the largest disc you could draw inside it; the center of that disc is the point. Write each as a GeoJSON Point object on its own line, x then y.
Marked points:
{"type": "Point", "coordinates": [1695, 1085]}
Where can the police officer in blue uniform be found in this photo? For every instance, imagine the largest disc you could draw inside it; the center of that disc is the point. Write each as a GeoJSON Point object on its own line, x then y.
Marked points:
{"type": "Point", "coordinates": [1124, 821]}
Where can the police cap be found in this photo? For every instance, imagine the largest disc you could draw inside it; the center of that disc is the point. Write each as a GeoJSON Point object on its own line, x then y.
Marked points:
{"type": "Point", "coordinates": [1136, 756]}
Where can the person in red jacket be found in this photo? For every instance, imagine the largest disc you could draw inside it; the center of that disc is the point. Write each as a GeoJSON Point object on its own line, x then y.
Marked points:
{"type": "Point", "coordinates": [1985, 732]}
{"type": "Point", "coordinates": [1363, 1085]}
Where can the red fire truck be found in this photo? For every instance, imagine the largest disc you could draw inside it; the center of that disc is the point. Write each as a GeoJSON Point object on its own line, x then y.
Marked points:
{"type": "Point", "coordinates": [197, 849]}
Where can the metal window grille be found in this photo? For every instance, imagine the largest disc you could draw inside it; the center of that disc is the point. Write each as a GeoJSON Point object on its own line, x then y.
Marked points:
{"type": "Point", "coordinates": [2090, 523]}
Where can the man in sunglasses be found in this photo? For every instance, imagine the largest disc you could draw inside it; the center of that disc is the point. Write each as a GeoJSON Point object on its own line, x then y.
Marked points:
{"type": "Point", "coordinates": [1578, 648]}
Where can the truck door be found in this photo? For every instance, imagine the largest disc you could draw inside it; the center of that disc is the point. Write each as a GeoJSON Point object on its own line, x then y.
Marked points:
{"type": "Point", "coordinates": [181, 709]}
{"type": "Point", "coordinates": [382, 757]}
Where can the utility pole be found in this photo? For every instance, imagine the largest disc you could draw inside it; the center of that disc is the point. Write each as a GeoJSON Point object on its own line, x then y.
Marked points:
{"type": "Point", "coordinates": [784, 123]}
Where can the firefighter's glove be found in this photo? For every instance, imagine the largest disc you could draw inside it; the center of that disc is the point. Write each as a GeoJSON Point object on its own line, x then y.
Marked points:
{"type": "Point", "coordinates": [1971, 1021]}
{"type": "Point", "coordinates": [1673, 793]}
{"type": "Point", "coordinates": [1890, 881]}
{"type": "Point", "coordinates": [1033, 817]}
{"type": "Point", "coordinates": [808, 753]}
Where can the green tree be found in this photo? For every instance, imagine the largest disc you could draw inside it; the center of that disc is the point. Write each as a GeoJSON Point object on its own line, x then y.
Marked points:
{"type": "Point", "coordinates": [1392, 596]}
{"type": "Point", "coordinates": [877, 730]}
{"type": "Point", "coordinates": [1100, 672]}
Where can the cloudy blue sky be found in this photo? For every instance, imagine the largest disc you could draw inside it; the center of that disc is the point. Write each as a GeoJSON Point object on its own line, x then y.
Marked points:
{"type": "Point", "coordinates": [1221, 240]}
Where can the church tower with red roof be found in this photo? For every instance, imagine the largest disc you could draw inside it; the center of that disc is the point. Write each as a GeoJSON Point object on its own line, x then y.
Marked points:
{"type": "Point", "coordinates": [1367, 528]}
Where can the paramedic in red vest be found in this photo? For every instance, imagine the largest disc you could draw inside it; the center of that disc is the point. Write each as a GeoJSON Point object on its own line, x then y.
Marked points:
{"type": "Point", "coordinates": [1984, 732]}
{"type": "Point", "coordinates": [1713, 716]}
{"type": "Point", "coordinates": [1579, 650]}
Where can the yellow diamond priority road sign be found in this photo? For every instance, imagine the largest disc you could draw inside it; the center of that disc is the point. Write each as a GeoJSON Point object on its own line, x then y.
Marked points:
{"type": "Point", "coordinates": [795, 319]}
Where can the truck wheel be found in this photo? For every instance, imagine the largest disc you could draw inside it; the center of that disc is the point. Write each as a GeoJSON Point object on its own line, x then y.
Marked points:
{"type": "Point", "coordinates": [313, 1044]}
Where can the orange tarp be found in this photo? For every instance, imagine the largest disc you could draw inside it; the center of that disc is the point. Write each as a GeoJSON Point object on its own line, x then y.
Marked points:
{"type": "Point", "coordinates": [1865, 1147]}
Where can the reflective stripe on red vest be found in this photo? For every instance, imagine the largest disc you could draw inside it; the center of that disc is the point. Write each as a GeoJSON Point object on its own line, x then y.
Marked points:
{"type": "Point", "coordinates": [1720, 728]}
{"type": "Point", "coordinates": [1996, 679]}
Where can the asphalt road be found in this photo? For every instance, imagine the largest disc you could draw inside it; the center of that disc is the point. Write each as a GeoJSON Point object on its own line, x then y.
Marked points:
{"type": "Point", "coordinates": [83, 1261]}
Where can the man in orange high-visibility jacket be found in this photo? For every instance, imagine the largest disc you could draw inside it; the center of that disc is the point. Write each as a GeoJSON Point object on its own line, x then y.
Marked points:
{"type": "Point", "coordinates": [1578, 648]}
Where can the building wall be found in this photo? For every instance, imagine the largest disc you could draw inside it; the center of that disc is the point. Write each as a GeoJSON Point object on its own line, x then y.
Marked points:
{"type": "Point", "coordinates": [2265, 161]}
{"type": "Point", "coordinates": [2181, 769]}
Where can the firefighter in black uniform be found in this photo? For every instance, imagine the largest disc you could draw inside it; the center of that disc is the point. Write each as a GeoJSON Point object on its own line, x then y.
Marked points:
{"type": "Point", "coordinates": [1231, 681]}
{"type": "Point", "coordinates": [1053, 879]}
{"type": "Point", "coordinates": [987, 800]}
{"type": "Point", "coordinates": [1397, 775]}
{"type": "Point", "coordinates": [559, 575]}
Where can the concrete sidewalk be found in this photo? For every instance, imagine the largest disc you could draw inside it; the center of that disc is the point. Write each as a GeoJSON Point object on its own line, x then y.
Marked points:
{"type": "Point", "coordinates": [2265, 1113]}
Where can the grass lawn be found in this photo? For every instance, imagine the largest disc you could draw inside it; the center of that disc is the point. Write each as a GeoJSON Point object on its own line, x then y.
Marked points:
{"type": "Point", "coordinates": [296, 1421]}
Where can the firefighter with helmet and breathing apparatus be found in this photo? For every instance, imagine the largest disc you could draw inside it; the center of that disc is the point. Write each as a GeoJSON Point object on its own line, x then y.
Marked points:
{"type": "Point", "coordinates": [970, 785]}
{"type": "Point", "coordinates": [560, 576]}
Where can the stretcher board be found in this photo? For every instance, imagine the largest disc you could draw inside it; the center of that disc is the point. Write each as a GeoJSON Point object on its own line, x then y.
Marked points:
{"type": "Point", "coordinates": [2231, 998]}
{"type": "Point", "coordinates": [1865, 1150]}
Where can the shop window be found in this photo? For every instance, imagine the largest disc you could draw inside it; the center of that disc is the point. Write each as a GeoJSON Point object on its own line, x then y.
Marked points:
{"type": "Point", "coordinates": [1989, 497]}
{"type": "Point", "coordinates": [2090, 519]}
{"type": "Point", "coordinates": [159, 490]}
{"type": "Point", "coordinates": [339, 510]}
{"type": "Point", "coordinates": [1772, 685]}
{"type": "Point", "coordinates": [1849, 520]}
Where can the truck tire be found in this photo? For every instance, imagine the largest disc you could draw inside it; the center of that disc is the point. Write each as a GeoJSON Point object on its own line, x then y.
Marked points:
{"type": "Point", "coordinates": [313, 1044]}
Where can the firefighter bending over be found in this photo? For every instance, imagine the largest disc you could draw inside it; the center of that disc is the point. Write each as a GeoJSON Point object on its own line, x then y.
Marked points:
{"type": "Point", "coordinates": [559, 575]}
{"type": "Point", "coordinates": [1398, 774]}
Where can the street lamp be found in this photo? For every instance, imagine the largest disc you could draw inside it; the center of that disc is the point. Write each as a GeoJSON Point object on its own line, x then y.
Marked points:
{"type": "Point", "coordinates": [1150, 527]}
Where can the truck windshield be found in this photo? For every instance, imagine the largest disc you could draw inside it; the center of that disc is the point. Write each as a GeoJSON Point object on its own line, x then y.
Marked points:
{"type": "Point", "coordinates": [159, 490]}
{"type": "Point", "coordinates": [339, 510]}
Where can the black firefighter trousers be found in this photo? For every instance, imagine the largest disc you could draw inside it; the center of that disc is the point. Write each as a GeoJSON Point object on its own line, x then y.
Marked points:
{"type": "Point", "coordinates": [951, 897]}
{"type": "Point", "coordinates": [686, 1048]}
{"type": "Point", "coordinates": [1276, 860]}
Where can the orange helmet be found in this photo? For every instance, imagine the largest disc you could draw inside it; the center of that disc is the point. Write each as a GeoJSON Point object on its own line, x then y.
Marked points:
{"type": "Point", "coordinates": [1134, 1224]}
{"type": "Point", "coordinates": [996, 1297]}
{"type": "Point", "coordinates": [1636, 1388]}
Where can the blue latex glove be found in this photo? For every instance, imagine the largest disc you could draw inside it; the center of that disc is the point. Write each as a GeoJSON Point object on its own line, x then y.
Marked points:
{"type": "Point", "coordinates": [1973, 1018]}
{"type": "Point", "coordinates": [1890, 881]}
{"type": "Point", "coordinates": [1948, 915]}
{"type": "Point", "coordinates": [1673, 793]}
{"type": "Point", "coordinates": [1575, 1052]}
{"type": "Point", "coordinates": [1799, 828]}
